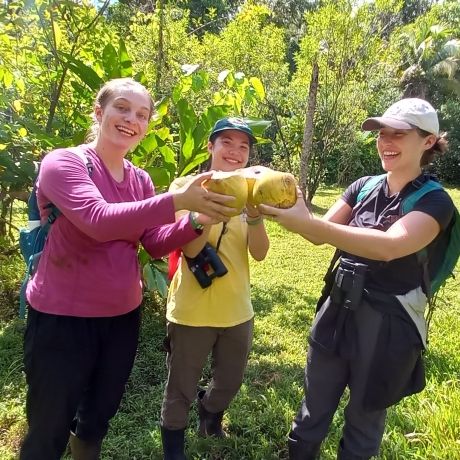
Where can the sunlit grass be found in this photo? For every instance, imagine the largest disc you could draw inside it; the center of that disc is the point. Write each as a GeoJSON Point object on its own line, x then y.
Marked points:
{"type": "Point", "coordinates": [285, 289]}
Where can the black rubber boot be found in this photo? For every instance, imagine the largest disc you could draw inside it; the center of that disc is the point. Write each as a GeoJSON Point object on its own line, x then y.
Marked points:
{"type": "Point", "coordinates": [302, 450]}
{"type": "Point", "coordinates": [173, 444]}
{"type": "Point", "coordinates": [343, 454]}
{"type": "Point", "coordinates": [84, 450]}
{"type": "Point", "coordinates": [210, 424]}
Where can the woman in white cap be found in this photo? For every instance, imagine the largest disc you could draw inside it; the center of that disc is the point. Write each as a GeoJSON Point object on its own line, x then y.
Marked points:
{"type": "Point", "coordinates": [369, 330]}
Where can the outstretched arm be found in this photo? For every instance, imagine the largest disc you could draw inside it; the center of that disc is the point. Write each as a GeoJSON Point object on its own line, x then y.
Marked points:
{"type": "Point", "coordinates": [408, 235]}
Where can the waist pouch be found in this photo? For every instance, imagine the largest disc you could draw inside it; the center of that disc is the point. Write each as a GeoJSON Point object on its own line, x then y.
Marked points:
{"type": "Point", "coordinates": [334, 328]}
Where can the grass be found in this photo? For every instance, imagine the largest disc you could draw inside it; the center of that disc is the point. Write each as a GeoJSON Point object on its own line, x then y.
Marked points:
{"type": "Point", "coordinates": [285, 288]}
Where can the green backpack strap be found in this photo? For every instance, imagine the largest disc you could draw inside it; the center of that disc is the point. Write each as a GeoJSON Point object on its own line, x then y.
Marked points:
{"type": "Point", "coordinates": [409, 202]}
{"type": "Point", "coordinates": [452, 253]}
{"type": "Point", "coordinates": [369, 186]}
{"type": "Point", "coordinates": [407, 206]}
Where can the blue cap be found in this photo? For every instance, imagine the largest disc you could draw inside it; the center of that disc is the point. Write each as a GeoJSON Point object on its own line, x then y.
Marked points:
{"type": "Point", "coordinates": [237, 124]}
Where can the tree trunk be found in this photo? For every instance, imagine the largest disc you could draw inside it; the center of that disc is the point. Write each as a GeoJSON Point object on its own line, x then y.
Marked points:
{"type": "Point", "coordinates": [307, 141]}
{"type": "Point", "coordinates": [160, 57]}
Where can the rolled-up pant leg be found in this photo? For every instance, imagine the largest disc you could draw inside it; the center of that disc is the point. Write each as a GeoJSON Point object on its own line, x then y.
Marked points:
{"type": "Point", "coordinates": [229, 360]}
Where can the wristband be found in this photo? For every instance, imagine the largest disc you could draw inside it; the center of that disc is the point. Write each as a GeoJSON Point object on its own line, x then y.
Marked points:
{"type": "Point", "coordinates": [255, 221]}
{"type": "Point", "coordinates": [194, 223]}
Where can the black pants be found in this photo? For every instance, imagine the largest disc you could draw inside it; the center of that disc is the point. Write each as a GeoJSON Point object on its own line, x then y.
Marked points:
{"type": "Point", "coordinates": [76, 371]}
{"type": "Point", "coordinates": [326, 377]}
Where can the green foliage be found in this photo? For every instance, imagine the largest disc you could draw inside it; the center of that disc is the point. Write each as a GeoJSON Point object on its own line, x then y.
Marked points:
{"type": "Point", "coordinates": [346, 43]}
{"type": "Point", "coordinates": [431, 56]}
{"type": "Point", "coordinates": [45, 48]}
{"type": "Point", "coordinates": [285, 288]}
{"type": "Point", "coordinates": [448, 166]}
{"type": "Point", "coordinates": [177, 141]}
{"type": "Point", "coordinates": [251, 44]}
{"type": "Point", "coordinates": [162, 64]}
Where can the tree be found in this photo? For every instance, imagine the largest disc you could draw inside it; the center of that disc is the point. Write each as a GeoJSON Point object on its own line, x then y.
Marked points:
{"type": "Point", "coordinates": [432, 59]}
{"type": "Point", "coordinates": [177, 46]}
{"type": "Point", "coordinates": [251, 44]}
{"type": "Point", "coordinates": [42, 102]}
{"type": "Point", "coordinates": [345, 42]}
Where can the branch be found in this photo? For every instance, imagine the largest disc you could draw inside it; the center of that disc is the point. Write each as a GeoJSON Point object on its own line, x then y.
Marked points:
{"type": "Point", "coordinates": [57, 91]}
{"type": "Point", "coordinates": [283, 141]}
{"type": "Point", "coordinates": [205, 25]}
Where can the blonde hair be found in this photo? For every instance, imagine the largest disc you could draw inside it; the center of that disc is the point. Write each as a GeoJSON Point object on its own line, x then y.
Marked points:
{"type": "Point", "coordinates": [107, 93]}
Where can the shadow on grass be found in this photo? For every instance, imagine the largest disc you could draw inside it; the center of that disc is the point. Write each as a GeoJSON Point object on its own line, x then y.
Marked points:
{"type": "Point", "coordinates": [440, 366]}
{"type": "Point", "coordinates": [264, 300]}
{"type": "Point", "coordinates": [318, 209]}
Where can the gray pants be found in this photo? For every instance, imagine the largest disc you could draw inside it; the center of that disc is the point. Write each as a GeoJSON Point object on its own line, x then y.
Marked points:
{"type": "Point", "coordinates": [188, 349]}
{"type": "Point", "coordinates": [326, 377]}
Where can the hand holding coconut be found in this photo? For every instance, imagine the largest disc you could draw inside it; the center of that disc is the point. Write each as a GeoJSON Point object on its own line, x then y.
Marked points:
{"type": "Point", "coordinates": [194, 197]}
{"type": "Point", "coordinates": [295, 219]}
{"type": "Point", "coordinates": [254, 186]}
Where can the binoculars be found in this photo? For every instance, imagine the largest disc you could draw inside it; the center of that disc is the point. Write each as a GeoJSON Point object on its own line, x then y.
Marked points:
{"type": "Point", "coordinates": [206, 266]}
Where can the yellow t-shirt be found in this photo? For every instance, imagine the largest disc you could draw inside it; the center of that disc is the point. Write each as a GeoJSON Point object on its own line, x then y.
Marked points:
{"type": "Point", "coordinates": [227, 301]}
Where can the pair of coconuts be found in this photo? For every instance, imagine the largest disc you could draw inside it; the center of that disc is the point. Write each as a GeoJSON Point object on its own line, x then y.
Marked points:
{"type": "Point", "coordinates": [254, 185]}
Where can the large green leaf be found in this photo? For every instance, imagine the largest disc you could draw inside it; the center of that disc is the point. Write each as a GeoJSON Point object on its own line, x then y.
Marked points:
{"type": "Point", "coordinates": [188, 146]}
{"type": "Point", "coordinates": [84, 72]}
{"type": "Point", "coordinates": [196, 161]}
{"type": "Point", "coordinates": [160, 279]}
{"type": "Point", "coordinates": [126, 67]}
{"type": "Point", "coordinates": [160, 176]}
{"type": "Point", "coordinates": [110, 61]}
{"type": "Point", "coordinates": [258, 125]}
{"type": "Point", "coordinates": [258, 87]}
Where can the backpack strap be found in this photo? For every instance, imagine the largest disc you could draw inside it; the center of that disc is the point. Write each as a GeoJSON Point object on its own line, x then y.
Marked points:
{"type": "Point", "coordinates": [55, 213]}
{"type": "Point", "coordinates": [369, 186]}
{"type": "Point", "coordinates": [407, 206]}
{"type": "Point", "coordinates": [423, 188]}
{"type": "Point", "coordinates": [86, 159]}
{"type": "Point", "coordinates": [34, 220]}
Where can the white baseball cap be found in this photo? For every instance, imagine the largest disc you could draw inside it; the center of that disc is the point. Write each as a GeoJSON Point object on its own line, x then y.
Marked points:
{"type": "Point", "coordinates": [406, 114]}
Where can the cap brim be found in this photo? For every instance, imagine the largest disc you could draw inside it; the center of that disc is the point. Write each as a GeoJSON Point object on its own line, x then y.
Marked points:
{"type": "Point", "coordinates": [375, 123]}
{"type": "Point", "coordinates": [231, 128]}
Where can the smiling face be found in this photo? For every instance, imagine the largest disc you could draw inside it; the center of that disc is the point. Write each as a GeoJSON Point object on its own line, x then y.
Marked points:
{"type": "Point", "coordinates": [230, 150]}
{"type": "Point", "coordinates": [402, 149]}
{"type": "Point", "coordinates": [124, 118]}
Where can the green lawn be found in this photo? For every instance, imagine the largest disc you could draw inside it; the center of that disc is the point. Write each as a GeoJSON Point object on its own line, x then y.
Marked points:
{"type": "Point", "coordinates": [285, 289]}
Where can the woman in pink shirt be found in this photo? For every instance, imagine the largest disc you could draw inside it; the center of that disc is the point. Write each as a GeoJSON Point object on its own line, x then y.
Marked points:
{"type": "Point", "coordinates": [84, 298]}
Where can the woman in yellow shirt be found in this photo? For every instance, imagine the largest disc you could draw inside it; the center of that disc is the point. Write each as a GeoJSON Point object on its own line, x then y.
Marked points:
{"type": "Point", "coordinates": [216, 319]}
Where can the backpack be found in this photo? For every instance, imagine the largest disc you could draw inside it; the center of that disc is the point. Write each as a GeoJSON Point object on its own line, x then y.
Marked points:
{"type": "Point", "coordinates": [32, 239]}
{"type": "Point", "coordinates": [447, 266]}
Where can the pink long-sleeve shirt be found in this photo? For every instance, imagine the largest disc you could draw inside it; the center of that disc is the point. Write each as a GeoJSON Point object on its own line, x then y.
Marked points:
{"type": "Point", "coordinates": [89, 266]}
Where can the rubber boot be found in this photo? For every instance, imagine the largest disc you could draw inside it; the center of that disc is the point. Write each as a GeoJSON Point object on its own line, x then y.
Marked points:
{"type": "Point", "coordinates": [343, 454]}
{"type": "Point", "coordinates": [210, 423]}
{"type": "Point", "coordinates": [302, 450]}
{"type": "Point", "coordinates": [84, 450]}
{"type": "Point", "coordinates": [173, 444]}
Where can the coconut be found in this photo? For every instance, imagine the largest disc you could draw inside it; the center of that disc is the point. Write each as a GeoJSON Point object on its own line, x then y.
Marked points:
{"type": "Point", "coordinates": [266, 186]}
{"type": "Point", "coordinates": [229, 183]}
